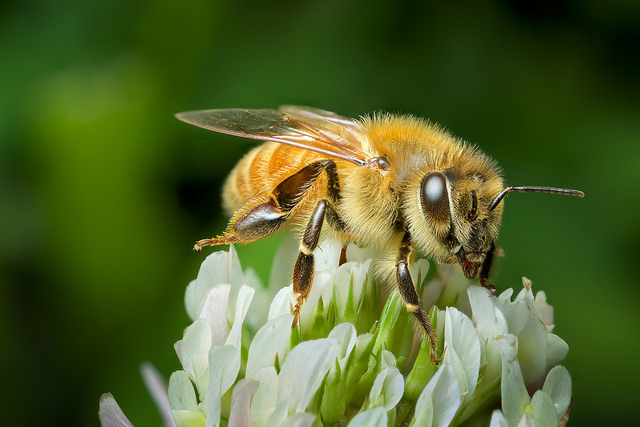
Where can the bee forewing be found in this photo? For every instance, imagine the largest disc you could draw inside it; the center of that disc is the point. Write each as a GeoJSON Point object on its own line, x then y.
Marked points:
{"type": "Point", "coordinates": [314, 131]}
{"type": "Point", "coordinates": [317, 116]}
{"type": "Point", "coordinates": [256, 124]}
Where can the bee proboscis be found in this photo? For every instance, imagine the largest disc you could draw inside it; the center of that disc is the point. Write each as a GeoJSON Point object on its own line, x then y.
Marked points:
{"type": "Point", "coordinates": [397, 183]}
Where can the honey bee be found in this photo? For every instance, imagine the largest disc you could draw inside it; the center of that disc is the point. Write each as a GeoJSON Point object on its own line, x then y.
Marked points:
{"type": "Point", "coordinates": [397, 183]}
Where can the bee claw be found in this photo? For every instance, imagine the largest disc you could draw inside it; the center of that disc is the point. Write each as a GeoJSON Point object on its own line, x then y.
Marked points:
{"type": "Point", "coordinates": [491, 289]}
{"type": "Point", "coordinates": [488, 286]}
{"type": "Point", "coordinates": [296, 316]}
{"type": "Point", "coordinates": [434, 357]}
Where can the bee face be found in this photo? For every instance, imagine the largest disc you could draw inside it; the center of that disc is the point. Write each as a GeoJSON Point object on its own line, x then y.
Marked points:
{"type": "Point", "coordinates": [456, 222]}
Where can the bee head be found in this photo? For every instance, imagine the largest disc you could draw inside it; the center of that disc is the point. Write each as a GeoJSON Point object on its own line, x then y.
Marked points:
{"type": "Point", "coordinates": [460, 216]}
{"type": "Point", "coordinates": [457, 225]}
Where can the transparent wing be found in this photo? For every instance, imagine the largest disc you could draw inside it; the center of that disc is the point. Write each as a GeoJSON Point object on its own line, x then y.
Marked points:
{"type": "Point", "coordinates": [317, 116]}
{"type": "Point", "coordinates": [307, 128]}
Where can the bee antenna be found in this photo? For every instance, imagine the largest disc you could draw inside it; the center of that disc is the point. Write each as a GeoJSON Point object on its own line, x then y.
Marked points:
{"type": "Point", "coordinates": [528, 189]}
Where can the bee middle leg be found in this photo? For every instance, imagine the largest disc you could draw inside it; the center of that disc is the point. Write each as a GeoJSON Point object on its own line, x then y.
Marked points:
{"type": "Point", "coordinates": [305, 264]}
{"type": "Point", "coordinates": [409, 295]}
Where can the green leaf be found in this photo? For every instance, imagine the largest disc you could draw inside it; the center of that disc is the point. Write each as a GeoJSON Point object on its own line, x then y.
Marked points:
{"type": "Point", "coordinates": [422, 371]}
{"type": "Point", "coordinates": [334, 401]}
{"type": "Point", "coordinates": [388, 321]}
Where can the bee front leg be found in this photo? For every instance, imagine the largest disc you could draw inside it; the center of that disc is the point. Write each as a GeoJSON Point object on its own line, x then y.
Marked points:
{"type": "Point", "coordinates": [486, 268]}
{"type": "Point", "coordinates": [303, 270]}
{"type": "Point", "coordinates": [410, 296]}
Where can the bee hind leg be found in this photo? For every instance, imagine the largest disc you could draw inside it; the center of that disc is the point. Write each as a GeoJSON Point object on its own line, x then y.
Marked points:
{"type": "Point", "coordinates": [410, 296]}
{"type": "Point", "coordinates": [257, 220]}
{"type": "Point", "coordinates": [304, 268]}
{"type": "Point", "coordinates": [225, 239]}
{"type": "Point", "coordinates": [250, 225]}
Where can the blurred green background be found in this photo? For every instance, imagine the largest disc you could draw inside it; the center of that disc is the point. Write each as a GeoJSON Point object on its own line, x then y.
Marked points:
{"type": "Point", "coordinates": [103, 192]}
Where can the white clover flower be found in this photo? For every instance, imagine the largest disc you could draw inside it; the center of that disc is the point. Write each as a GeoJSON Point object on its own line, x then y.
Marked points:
{"type": "Point", "coordinates": [354, 358]}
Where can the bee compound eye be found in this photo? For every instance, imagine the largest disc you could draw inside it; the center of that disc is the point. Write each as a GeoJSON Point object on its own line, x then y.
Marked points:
{"type": "Point", "coordinates": [434, 196]}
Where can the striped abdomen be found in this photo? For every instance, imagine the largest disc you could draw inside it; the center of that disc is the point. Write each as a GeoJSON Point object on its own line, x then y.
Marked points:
{"type": "Point", "coordinates": [262, 169]}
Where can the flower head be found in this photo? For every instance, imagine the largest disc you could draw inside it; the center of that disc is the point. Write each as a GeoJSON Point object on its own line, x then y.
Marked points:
{"type": "Point", "coordinates": [354, 357]}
